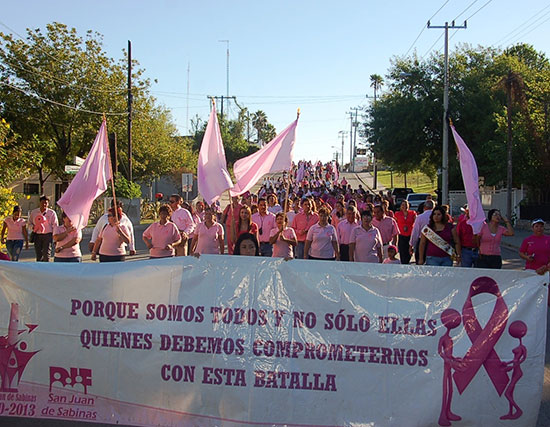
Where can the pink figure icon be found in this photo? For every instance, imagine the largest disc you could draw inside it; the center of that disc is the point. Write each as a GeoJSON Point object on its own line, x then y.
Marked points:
{"type": "Point", "coordinates": [517, 329]}
{"type": "Point", "coordinates": [450, 319]}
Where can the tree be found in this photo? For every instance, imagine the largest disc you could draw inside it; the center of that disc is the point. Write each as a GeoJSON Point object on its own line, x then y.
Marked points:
{"type": "Point", "coordinates": [234, 135]}
{"type": "Point", "coordinates": [376, 82]}
{"type": "Point", "coordinates": [406, 123]}
{"type": "Point", "coordinates": [75, 74]}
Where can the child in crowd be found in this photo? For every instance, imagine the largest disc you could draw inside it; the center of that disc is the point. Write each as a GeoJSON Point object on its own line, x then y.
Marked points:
{"type": "Point", "coordinates": [392, 252]}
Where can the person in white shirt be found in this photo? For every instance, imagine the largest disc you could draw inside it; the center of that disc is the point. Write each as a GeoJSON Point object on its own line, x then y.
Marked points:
{"type": "Point", "coordinates": [421, 221]}
{"type": "Point", "coordinates": [123, 220]}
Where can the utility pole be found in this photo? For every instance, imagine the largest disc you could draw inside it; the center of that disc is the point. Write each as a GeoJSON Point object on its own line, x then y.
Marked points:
{"type": "Point", "coordinates": [509, 82]}
{"type": "Point", "coordinates": [343, 133]}
{"type": "Point", "coordinates": [222, 98]}
{"type": "Point", "coordinates": [445, 162]}
{"type": "Point", "coordinates": [130, 111]}
{"type": "Point", "coordinates": [354, 134]}
{"type": "Point", "coordinates": [187, 116]}
{"type": "Point", "coordinates": [227, 73]}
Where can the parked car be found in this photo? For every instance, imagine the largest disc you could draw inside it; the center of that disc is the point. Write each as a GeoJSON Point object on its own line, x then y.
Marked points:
{"type": "Point", "coordinates": [415, 199]}
{"type": "Point", "coordinates": [400, 194]}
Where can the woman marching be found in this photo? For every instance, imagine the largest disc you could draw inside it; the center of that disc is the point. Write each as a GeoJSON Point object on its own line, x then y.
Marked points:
{"type": "Point", "coordinates": [437, 240]}
{"type": "Point", "coordinates": [321, 239]}
{"type": "Point", "coordinates": [161, 237]}
{"type": "Point", "coordinates": [17, 234]}
{"type": "Point", "coordinates": [244, 224]}
{"type": "Point", "coordinates": [489, 240]}
{"type": "Point", "coordinates": [67, 241]}
{"type": "Point", "coordinates": [112, 240]}
{"type": "Point", "coordinates": [208, 238]}
{"type": "Point", "coordinates": [405, 222]}
{"type": "Point", "coordinates": [365, 241]}
{"type": "Point", "coordinates": [282, 238]}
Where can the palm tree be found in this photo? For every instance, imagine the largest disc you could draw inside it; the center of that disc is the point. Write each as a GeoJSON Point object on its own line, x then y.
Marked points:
{"type": "Point", "coordinates": [259, 122]}
{"type": "Point", "coordinates": [376, 82]}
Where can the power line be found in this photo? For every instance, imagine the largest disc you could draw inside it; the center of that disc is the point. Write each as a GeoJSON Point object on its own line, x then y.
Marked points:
{"type": "Point", "coordinates": [529, 32]}
{"type": "Point", "coordinates": [56, 79]}
{"type": "Point", "coordinates": [424, 27]}
{"type": "Point", "coordinates": [57, 60]}
{"type": "Point", "coordinates": [465, 10]}
{"type": "Point", "coordinates": [33, 95]}
{"type": "Point", "coordinates": [477, 11]}
{"type": "Point", "coordinates": [524, 25]}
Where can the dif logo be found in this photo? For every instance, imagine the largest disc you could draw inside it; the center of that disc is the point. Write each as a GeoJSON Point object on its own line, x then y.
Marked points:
{"type": "Point", "coordinates": [72, 377]}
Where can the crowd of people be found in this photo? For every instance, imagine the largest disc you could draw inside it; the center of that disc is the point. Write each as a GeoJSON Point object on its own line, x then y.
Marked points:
{"type": "Point", "coordinates": [322, 218]}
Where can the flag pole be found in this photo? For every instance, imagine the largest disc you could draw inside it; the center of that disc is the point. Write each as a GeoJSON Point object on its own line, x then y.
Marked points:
{"type": "Point", "coordinates": [287, 195]}
{"type": "Point", "coordinates": [111, 170]}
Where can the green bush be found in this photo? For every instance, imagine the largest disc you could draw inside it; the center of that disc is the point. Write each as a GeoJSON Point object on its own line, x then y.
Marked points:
{"type": "Point", "coordinates": [125, 189]}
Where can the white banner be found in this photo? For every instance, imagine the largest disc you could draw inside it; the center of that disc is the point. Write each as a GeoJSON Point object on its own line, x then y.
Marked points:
{"type": "Point", "coordinates": [226, 340]}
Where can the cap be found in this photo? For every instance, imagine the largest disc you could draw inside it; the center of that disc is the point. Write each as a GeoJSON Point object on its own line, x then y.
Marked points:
{"type": "Point", "coordinates": [464, 208]}
{"type": "Point", "coordinates": [537, 221]}
{"type": "Point", "coordinates": [392, 247]}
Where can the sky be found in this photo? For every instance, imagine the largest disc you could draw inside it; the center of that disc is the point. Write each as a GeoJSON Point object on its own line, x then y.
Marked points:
{"type": "Point", "coordinates": [314, 55]}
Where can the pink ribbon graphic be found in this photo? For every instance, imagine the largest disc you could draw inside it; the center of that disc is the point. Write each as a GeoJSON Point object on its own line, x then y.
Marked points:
{"type": "Point", "coordinates": [483, 339]}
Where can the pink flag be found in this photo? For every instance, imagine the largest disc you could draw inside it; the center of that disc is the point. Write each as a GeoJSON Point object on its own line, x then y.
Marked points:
{"type": "Point", "coordinates": [468, 168]}
{"type": "Point", "coordinates": [212, 175]}
{"type": "Point", "coordinates": [90, 181]}
{"type": "Point", "coordinates": [276, 156]}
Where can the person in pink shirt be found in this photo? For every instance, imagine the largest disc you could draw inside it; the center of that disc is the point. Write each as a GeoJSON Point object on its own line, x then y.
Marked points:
{"type": "Point", "coordinates": [489, 240]}
{"type": "Point", "coordinates": [229, 219]}
{"type": "Point", "coordinates": [365, 241]}
{"type": "Point", "coordinates": [112, 239]}
{"type": "Point", "coordinates": [208, 236]}
{"type": "Point", "coordinates": [67, 241]}
{"type": "Point", "coordinates": [161, 237]}
{"type": "Point", "coordinates": [265, 220]}
{"type": "Point", "coordinates": [282, 238]}
{"type": "Point", "coordinates": [321, 240]}
{"type": "Point", "coordinates": [535, 249]}
{"type": "Point", "coordinates": [302, 223]}
{"type": "Point", "coordinates": [338, 214]}
{"type": "Point", "coordinates": [344, 230]}
{"type": "Point", "coordinates": [184, 222]}
{"type": "Point", "coordinates": [387, 226]}
{"type": "Point", "coordinates": [43, 220]}
{"type": "Point", "coordinates": [17, 234]}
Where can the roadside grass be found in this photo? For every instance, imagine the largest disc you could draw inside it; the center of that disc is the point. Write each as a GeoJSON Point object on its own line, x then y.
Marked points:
{"type": "Point", "coordinates": [419, 182]}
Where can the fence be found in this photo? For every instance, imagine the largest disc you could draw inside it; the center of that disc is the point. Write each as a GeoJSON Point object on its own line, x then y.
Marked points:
{"type": "Point", "coordinates": [490, 199]}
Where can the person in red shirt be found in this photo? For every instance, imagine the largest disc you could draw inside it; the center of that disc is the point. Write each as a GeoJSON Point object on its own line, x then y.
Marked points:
{"type": "Point", "coordinates": [535, 249]}
{"type": "Point", "coordinates": [405, 218]}
{"type": "Point", "coordinates": [469, 245]}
